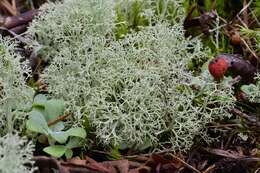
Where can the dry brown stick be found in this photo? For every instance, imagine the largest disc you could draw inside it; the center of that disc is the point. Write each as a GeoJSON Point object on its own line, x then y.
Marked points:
{"type": "Point", "coordinates": [209, 169]}
{"type": "Point", "coordinates": [19, 29]}
{"type": "Point", "coordinates": [14, 5]}
{"type": "Point", "coordinates": [246, 117]}
{"type": "Point", "coordinates": [245, 13]}
{"type": "Point", "coordinates": [58, 119]}
{"type": "Point", "coordinates": [223, 125]}
{"type": "Point", "coordinates": [14, 21]}
{"type": "Point", "coordinates": [249, 49]}
{"type": "Point", "coordinates": [147, 155]}
{"type": "Point", "coordinates": [184, 163]}
{"type": "Point", "coordinates": [8, 7]}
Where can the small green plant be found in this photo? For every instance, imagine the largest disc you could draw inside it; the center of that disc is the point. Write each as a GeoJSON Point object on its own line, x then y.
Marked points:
{"type": "Point", "coordinates": [45, 111]}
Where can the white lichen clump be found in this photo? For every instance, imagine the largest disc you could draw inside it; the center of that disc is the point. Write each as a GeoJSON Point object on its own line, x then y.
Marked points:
{"type": "Point", "coordinates": [136, 91]}
{"type": "Point", "coordinates": [14, 93]}
{"type": "Point", "coordinates": [253, 90]}
{"type": "Point", "coordinates": [67, 24]}
{"type": "Point", "coordinates": [15, 153]}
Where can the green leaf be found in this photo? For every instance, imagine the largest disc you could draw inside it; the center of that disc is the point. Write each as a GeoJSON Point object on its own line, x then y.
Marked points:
{"type": "Point", "coordinates": [249, 89]}
{"type": "Point", "coordinates": [39, 109]}
{"type": "Point", "coordinates": [69, 153]}
{"type": "Point", "coordinates": [78, 132]}
{"type": "Point", "coordinates": [54, 108]}
{"type": "Point", "coordinates": [61, 137]}
{"type": "Point", "coordinates": [74, 142]}
{"type": "Point", "coordinates": [55, 150]}
{"type": "Point", "coordinates": [57, 127]}
{"type": "Point", "coordinates": [39, 100]}
{"type": "Point", "coordinates": [114, 153]}
{"type": "Point", "coordinates": [37, 123]}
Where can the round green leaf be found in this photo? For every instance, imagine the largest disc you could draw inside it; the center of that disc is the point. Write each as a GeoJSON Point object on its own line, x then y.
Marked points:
{"type": "Point", "coordinates": [37, 123]}
{"type": "Point", "coordinates": [39, 100]}
{"type": "Point", "coordinates": [79, 132]}
{"type": "Point", "coordinates": [55, 150]}
{"type": "Point", "coordinates": [53, 109]}
{"type": "Point", "coordinates": [74, 142]}
{"type": "Point", "coordinates": [61, 136]}
{"type": "Point", "coordinates": [69, 153]}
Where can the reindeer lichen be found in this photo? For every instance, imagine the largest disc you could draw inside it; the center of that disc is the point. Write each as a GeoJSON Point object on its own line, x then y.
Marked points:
{"type": "Point", "coordinates": [253, 90]}
{"type": "Point", "coordinates": [14, 93]}
{"type": "Point", "coordinates": [136, 91]}
{"type": "Point", "coordinates": [67, 24]}
{"type": "Point", "coordinates": [15, 153]}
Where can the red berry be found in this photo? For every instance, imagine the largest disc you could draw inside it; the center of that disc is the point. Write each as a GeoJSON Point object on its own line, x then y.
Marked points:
{"type": "Point", "coordinates": [218, 67]}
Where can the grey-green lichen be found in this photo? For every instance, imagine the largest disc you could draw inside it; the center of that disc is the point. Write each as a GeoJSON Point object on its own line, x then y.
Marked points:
{"type": "Point", "coordinates": [135, 91]}
{"type": "Point", "coordinates": [14, 93]}
{"type": "Point", "coordinates": [15, 153]}
{"type": "Point", "coordinates": [253, 90]}
{"type": "Point", "coordinates": [67, 24]}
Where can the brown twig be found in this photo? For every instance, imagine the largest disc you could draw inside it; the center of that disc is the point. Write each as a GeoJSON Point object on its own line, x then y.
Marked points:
{"type": "Point", "coordinates": [223, 125]}
{"type": "Point", "coordinates": [15, 7]}
{"type": "Point", "coordinates": [19, 29]}
{"type": "Point", "coordinates": [210, 168]}
{"type": "Point", "coordinates": [147, 155]}
{"type": "Point", "coordinates": [14, 21]}
{"type": "Point", "coordinates": [250, 119]}
{"type": "Point", "coordinates": [8, 7]}
{"type": "Point", "coordinates": [58, 119]}
{"type": "Point", "coordinates": [245, 13]}
{"type": "Point", "coordinates": [249, 49]}
{"type": "Point", "coordinates": [184, 163]}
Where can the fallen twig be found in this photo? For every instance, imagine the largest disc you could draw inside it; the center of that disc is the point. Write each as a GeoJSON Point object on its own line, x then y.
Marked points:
{"type": "Point", "coordinates": [184, 163]}
{"type": "Point", "coordinates": [19, 29]}
{"type": "Point", "coordinates": [58, 119]}
{"type": "Point", "coordinates": [10, 8]}
{"type": "Point", "coordinates": [14, 21]}
{"type": "Point", "coordinates": [250, 119]}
